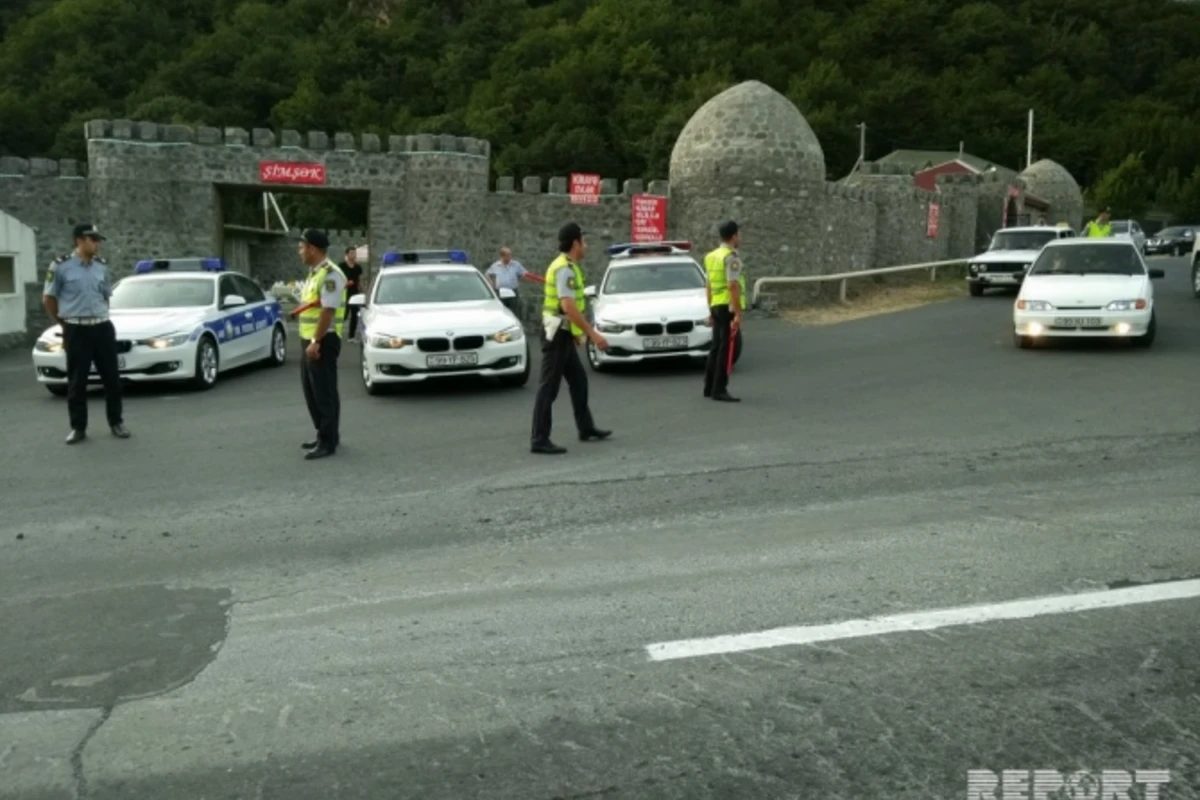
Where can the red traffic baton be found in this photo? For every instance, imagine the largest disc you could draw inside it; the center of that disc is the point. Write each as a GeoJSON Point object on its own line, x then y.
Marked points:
{"type": "Point", "coordinates": [732, 345]}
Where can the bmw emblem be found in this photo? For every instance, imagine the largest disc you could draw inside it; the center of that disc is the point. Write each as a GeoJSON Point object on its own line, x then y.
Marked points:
{"type": "Point", "coordinates": [449, 333]}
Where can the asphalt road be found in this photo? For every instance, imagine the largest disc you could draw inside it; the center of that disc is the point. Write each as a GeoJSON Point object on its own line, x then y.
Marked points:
{"type": "Point", "coordinates": [436, 613]}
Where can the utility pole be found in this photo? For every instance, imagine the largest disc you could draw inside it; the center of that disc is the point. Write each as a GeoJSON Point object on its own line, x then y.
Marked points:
{"type": "Point", "coordinates": [1029, 142]}
{"type": "Point", "coordinates": [862, 142]}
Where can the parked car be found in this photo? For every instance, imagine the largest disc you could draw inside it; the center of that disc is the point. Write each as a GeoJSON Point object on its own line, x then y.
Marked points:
{"type": "Point", "coordinates": [1176, 241]}
{"type": "Point", "coordinates": [1130, 229]}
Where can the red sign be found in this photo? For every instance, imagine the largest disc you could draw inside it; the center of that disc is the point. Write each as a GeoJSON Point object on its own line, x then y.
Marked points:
{"type": "Point", "coordinates": [585, 189]}
{"type": "Point", "coordinates": [291, 172]}
{"type": "Point", "coordinates": [648, 218]}
{"type": "Point", "coordinates": [931, 226]}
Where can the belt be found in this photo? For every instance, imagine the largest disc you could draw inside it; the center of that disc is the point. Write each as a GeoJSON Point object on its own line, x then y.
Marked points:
{"type": "Point", "coordinates": [85, 320]}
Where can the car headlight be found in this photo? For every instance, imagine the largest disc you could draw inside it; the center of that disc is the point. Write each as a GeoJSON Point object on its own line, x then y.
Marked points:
{"type": "Point", "coordinates": [52, 346]}
{"type": "Point", "coordinates": [163, 342]}
{"type": "Point", "coordinates": [1126, 305]}
{"type": "Point", "coordinates": [606, 326]}
{"type": "Point", "coordinates": [385, 342]}
{"type": "Point", "coordinates": [973, 267]}
{"type": "Point", "coordinates": [513, 334]}
{"type": "Point", "coordinates": [1034, 305]}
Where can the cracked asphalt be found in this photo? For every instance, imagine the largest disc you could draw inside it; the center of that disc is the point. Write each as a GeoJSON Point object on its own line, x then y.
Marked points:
{"type": "Point", "coordinates": [436, 613]}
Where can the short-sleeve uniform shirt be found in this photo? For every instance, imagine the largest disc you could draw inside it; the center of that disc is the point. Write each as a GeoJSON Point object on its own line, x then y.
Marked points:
{"type": "Point", "coordinates": [333, 289]}
{"type": "Point", "coordinates": [733, 269]}
{"type": "Point", "coordinates": [82, 290]}
{"type": "Point", "coordinates": [566, 281]}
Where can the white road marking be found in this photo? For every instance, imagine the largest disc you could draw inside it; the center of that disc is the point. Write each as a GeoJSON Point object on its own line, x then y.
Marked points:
{"type": "Point", "coordinates": [924, 620]}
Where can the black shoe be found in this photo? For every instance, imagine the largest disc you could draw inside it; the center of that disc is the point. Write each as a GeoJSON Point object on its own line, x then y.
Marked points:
{"type": "Point", "coordinates": [594, 433]}
{"type": "Point", "coordinates": [309, 445]}
{"type": "Point", "coordinates": [708, 392]}
{"type": "Point", "coordinates": [75, 437]}
{"type": "Point", "coordinates": [726, 397]}
{"type": "Point", "coordinates": [320, 451]}
{"type": "Point", "coordinates": [120, 431]}
{"type": "Point", "coordinates": [547, 448]}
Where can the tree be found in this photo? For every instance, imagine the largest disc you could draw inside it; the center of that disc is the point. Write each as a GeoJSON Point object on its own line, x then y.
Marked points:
{"type": "Point", "coordinates": [1126, 188]}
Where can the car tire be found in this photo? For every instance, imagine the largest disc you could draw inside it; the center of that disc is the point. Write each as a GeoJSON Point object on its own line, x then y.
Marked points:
{"type": "Point", "coordinates": [208, 364]}
{"type": "Point", "coordinates": [1023, 342]}
{"type": "Point", "coordinates": [1196, 278]}
{"type": "Point", "coordinates": [592, 357]}
{"type": "Point", "coordinates": [1147, 338]}
{"type": "Point", "coordinates": [517, 381]}
{"type": "Point", "coordinates": [56, 390]}
{"type": "Point", "coordinates": [278, 355]}
{"type": "Point", "coordinates": [976, 289]}
{"type": "Point", "coordinates": [372, 388]}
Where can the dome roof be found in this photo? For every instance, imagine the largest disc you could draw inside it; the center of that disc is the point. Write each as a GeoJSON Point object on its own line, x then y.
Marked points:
{"type": "Point", "coordinates": [749, 131]}
{"type": "Point", "coordinates": [1047, 173]}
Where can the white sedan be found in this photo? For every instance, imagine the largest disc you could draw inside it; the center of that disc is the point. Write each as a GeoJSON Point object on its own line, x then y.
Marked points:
{"type": "Point", "coordinates": [651, 304]}
{"type": "Point", "coordinates": [184, 319]}
{"type": "Point", "coordinates": [1087, 288]}
{"type": "Point", "coordinates": [433, 320]}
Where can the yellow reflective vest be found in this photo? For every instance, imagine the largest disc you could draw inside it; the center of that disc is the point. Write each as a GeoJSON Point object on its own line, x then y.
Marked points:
{"type": "Point", "coordinates": [1096, 230]}
{"type": "Point", "coordinates": [551, 305]}
{"type": "Point", "coordinates": [714, 268]}
{"type": "Point", "coordinates": [311, 293]}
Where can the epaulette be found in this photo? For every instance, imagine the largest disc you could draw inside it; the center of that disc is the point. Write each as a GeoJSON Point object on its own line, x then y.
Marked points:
{"type": "Point", "coordinates": [61, 259]}
{"type": "Point", "coordinates": [101, 260]}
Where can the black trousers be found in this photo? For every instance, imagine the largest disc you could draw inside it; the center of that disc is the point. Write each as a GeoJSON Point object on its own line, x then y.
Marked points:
{"type": "Point", "coordinates": [716, 370]}
{"type": "Point", "coordinates": [560, 359]}
{"type": "Point", "coordinates": [351, 319]}
{"type": "Point", "coordinates": [85, 345]}
{"type": "Point", "coordinates": [513, 304]}
{"type": "Point", "coordinates": [319, 378]}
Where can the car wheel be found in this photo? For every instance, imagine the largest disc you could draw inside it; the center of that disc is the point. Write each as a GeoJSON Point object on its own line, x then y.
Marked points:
{"type": "Point", "coordinates": [976, 289]}
{"type": "Point", "coordinates": [517, 381]}
{"type": "Point", "coordinates": [593, 357]}
{"type": "Point", "coordinates": [208, 363]}
{"type": "Point", "coordinates": [1196, 278]}
{"type": "Point", "coordinates": [1023, 342]}
{"type": "Point", "coordinates": [56, 390]}
{"type": "Point", "coordinates": [278, 356]}
{"type": "Point", "coordinates": [371, 386]}
{"type": "Point", "coordinates": [1147, 338]}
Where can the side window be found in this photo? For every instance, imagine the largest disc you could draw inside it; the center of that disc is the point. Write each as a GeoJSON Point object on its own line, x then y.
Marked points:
{"type": "Point", "coordinates": [227, 288]}
{"type": "Point", "coordinates": [248, 289]}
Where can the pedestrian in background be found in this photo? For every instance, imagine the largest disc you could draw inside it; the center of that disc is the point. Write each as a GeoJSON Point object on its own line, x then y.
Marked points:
{"type": "Point", "coordinates": [76, 296]}
{"type": "Point", "coordinates": [507, 274]}
{"type": "Point", "coordinates": [353, 272]}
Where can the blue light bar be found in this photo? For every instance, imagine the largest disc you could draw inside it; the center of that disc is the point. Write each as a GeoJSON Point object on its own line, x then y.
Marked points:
{"type": "Point", "coordinates": [180, 265]}
{"type": "Point", "coordinates": [394, 257]}
{"type": "Point", "coordinates": [649, 248]}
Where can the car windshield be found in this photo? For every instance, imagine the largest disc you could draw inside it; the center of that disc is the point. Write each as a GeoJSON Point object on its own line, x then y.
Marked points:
{"type": "Point", "coordinates": [1120, 227]}
{"type": "Point", "coordinates": [1095, 259]}
{"type": "Point", "coordinates": [1022, 240]}
{"type": "Point", "coordinates": [134, 293]}
{"type": "Point", "coordinates": [425, 286]}
{"type": "Point", "coordinates": [653, 278]}
{"type": "Point", "coordinates": [1176, 232]}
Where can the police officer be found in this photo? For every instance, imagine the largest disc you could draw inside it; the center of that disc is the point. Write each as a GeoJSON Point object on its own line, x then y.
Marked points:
{"type": "Point", "coordinates": [563, 329]}
{"type": "Point", "coordinates": [1099, 227]}
{"type": "Point", "coordinates": [725, 287]}
{"type": "Point", "coordinates": [76, 297]}
{"type": "Point", "coordinates": [321, 312]}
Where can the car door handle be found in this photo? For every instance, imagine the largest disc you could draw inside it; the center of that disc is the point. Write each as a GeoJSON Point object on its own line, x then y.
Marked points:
{"type": "Point", "coordinates": [249, 313]}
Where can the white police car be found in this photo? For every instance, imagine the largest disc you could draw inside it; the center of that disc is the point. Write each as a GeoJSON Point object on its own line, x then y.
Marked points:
{"type": "Point", "coordinates": [431, 314]}
{"type": "Point", "coordinates": [651, 304]}
{"type": "Point", "coordinates": [180, 319]}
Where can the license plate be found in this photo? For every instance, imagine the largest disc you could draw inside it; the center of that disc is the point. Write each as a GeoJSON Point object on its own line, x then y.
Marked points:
{"type": "Point", "coordinates": [1001, 278]}
{"type": "Point", "coordinates": [452, 360]}
{"type": "Point", "coordinates": [665, 342]}
{"type": "Point", "coordinates": [1078, 322]}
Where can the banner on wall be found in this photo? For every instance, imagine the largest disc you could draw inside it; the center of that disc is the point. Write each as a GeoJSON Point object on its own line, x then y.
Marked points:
{"type": "Point", "coordinates": [585, 189]}
{"type": "Point", "coordinates": [291, 172]}
{"type": "Point", "coordinates": [647, 218]}
{"type": "Point", "coordinates": [931, 225]}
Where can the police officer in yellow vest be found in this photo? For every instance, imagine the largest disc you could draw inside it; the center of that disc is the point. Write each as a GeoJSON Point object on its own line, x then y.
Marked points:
{"type": "Point", "coordinates": [725, 288]}
{"type": "Point", "coordinates": [1099, 227]}
{"type": "Point", "coordinates": [563, 329]}
{"type": "Point", "coordinates": [321, 312]}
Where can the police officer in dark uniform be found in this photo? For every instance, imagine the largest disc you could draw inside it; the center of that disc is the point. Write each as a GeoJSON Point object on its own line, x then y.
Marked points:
{"type": "Point", "coordinates": [76, 297]}
{"type": "Point", "coordinates": [563, 329]}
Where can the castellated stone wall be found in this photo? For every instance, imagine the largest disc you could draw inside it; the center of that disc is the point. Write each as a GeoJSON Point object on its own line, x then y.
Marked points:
{"type": "Point", "coordinates": [49, 196]}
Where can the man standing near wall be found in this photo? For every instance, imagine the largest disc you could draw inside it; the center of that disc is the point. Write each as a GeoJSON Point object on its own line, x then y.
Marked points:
{"type": "Point", "coordinates": [321, 311]}
{"type": "Point", "coordinates": [724, 289]}
{"type": "Point", "coordinates": [353, 272]}
{"type": "Point", "coordinates": [76, 297]}
{"type": "Point", "coordinates": [507, 274]}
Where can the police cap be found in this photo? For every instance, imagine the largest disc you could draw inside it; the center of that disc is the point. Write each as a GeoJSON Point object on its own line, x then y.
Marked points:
{"type": "Point", "coordinates": [567, 235]}
{"type": "Point", "coordinates": [316, 238]}
{"type": "Point", "coordinates": [86, 230]}
{"type": "Point", "coordinates": [728, 230]}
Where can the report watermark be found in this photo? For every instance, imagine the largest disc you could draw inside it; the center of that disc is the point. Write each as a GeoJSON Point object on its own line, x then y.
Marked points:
{"type": "Point", "coordinates": [1049, 784]}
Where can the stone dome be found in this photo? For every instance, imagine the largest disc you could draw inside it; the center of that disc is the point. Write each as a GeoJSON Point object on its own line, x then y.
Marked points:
{"type": "Point", "coordinates": [747, 132]}
{"type": "Point", "coordinates": [1050, 181]}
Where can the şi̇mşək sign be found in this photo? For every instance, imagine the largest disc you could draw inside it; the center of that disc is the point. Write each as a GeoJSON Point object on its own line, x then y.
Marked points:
{"type": "Point", "coordinates": [291, 172]}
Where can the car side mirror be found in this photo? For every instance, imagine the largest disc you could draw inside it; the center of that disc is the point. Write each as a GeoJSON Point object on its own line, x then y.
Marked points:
{"type": "Point", "coordinates": [233, 301]}
{"type": "Point", "coordinates": [1156, 273]}
{"type": "Point", "coordinates": [507, 294]}
{"type": "Point", "coordinates": [590, 291]}
{"type": "Point", "coordinates": [358, 300]}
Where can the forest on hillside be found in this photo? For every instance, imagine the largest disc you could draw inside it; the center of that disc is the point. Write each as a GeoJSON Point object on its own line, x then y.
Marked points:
{"type": "Point", "coordinates": [606, 85]}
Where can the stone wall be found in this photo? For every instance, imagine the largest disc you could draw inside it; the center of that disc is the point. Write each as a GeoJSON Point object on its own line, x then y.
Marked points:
{"type": "Point", "coordinates": [49, 196]}
{"type": "Point", "coordinates": [273, 258]}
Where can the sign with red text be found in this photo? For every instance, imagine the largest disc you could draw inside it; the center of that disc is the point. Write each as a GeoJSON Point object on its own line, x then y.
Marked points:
{"type": "Point", "coordinates": [585, 189]}
{"type": "Point", "coordinates": [931, 225]}
{"type": "Point", "coordinates": [648, 218]}
{"type": "Point", "coordinates": [291, 172]}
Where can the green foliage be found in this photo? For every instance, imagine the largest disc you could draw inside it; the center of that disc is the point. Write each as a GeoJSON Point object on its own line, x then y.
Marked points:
{"type": "Point", "coordinates": [606, 85]}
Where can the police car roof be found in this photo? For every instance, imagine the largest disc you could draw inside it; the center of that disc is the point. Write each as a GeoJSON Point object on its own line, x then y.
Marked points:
{"type": "Point", "coordinates": [644, 261]}
{"type": "Point", "coordinates": [430, 266]}
{"type": "Point", "coordinates": [187, 264]}
{"type": "Point", "coordinates": [393, 258]}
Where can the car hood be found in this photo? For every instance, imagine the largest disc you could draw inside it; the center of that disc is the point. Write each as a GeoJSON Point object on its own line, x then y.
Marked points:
{"type": "Point", "coordinates": [684, 304]}
{"type": "Point", "coordinates": [145, 323]}
{"type": "Point", "coordinates": [1083, 290]}
{"type": "Point", "coordinates": [1006, 257]}
{"type": "Point", "coordinates": [442, 319]}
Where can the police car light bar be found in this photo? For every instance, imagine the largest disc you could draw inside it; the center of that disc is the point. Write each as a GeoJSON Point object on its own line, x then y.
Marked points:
{"type": "Point", "coordinates": [394, 257]}
{"type": "Point", "coordinates": [180, 265]}
{"type": "Point", "coordinates": [649, 248]}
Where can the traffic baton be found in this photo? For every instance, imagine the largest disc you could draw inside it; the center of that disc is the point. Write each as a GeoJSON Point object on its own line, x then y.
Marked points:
{"type": "Point", "coordinates": [732, 345]}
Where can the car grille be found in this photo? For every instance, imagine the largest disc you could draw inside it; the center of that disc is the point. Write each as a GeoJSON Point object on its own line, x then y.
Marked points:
{"type": "Point", "coordinates": [124, 345]}
{"type": "Point", "coordinates": [684, 326]}
{"type": "Point", "coordinates": [648, 329]}
{"type": "Point", "coordinates": [435, 345]}
{"type": "Point", "coordinates": [1078, 308]}
{"type": "Point", "coordinates": [468, 343]}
